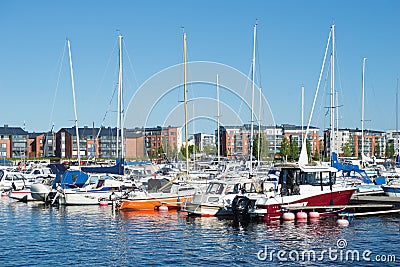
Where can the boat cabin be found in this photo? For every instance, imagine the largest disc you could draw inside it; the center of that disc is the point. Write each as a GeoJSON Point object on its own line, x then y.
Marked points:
{"type": "Point", "coordinates": [12, 180]}
{"type": "Point", "coordinates": [220, 188]}
{"type": "Point", "coordinates": [292, 178]}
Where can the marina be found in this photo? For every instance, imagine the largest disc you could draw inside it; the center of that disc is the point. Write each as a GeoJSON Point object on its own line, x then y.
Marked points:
{"type": "Point", "coordinates": [196, 161]}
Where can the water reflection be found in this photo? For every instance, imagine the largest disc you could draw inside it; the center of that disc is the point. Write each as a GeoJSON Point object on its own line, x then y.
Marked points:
{"type": "Point", "coordinates": [102, 236]}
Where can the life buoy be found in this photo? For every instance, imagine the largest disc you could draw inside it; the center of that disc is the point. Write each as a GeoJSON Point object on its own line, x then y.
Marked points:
{"type": "Point", "coordinates": [21, 166]}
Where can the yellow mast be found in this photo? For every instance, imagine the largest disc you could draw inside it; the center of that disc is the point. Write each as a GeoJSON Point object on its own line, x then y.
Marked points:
{"type": "Point", "coordinates": [185, 105]}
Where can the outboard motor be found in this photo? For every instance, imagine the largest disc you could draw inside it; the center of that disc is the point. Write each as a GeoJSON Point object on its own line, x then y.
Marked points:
{"type": "Point", "coordinates": [240, 208]}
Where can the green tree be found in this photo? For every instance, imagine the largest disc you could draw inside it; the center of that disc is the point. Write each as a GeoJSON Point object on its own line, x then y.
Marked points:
{"type": "Point", "coordinates": [160, 151]}
{"type": "Point", "coordinates": [377, 150]}
{"type": "Point", "coordinates": [191, 149]}
{"type": "Point", "coordinates": [389, 152]}
{"type": "Point", "coordinates": [316, 155]}
{"type": "Point", "coordinates": [263, 148]}
{"type": "Point", "coordinates": [392, 153]}
{"type": "Point", "coordinates": [285, 148]}
{"type": "Point", "coordinates": [308, 146]}
{"type": "Point", "coordinates": [347, 149]}
{"type": "Point", "coordinates": [209, 150]}
{"type": "Point", "coordinates": [294, 150]}
{"type": "Point", "coordinates": [175, 152]}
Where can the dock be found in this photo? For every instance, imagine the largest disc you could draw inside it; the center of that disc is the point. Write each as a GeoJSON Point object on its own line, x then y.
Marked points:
{"type": "Point", "coordinates": [375, 199]}
{"type": "Point", "coordinates": [350, 210]}
{"type": "Point", "coordinates": [337, 207]}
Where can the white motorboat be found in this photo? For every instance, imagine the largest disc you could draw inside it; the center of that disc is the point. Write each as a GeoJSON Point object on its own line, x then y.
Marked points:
{"type": "Point", "coordinates": [217, 200]}
{"type": "Point", "coordinates": [23, 195]}
{"type": "Point", "coordinates": [12, 180]}
{"type": "Point", "coordinates": [41, 190]}
{"type": "Point", "coordinates": [99, 187]}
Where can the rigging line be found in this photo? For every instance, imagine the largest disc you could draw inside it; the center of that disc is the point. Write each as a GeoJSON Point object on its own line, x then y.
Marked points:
{"type": "Point", "coordinates": [113, 93]}
{"type": "Point", "coordinates": [107, 67]}
{"type": "Point", "coordinates": [245, 89]}
{"type": "Point", "coordinates": [318, 85]}
{"type": "Point", "coordinates": [259, 82]}
{"type": "Point", "coordinates": [57, 84]}
{"type": "Point", "coordinates": [190, 93]}
{"type": "Point", "coordinates": [341, 91]}
{"type": "Point", "coordinates": [106, 113]}
{"type": "Point", "coordinates": [130, 63]}
{"type": "Point", "coordinates": [258, 64]}
{"type": "Point", "coordinates": [324, 99]}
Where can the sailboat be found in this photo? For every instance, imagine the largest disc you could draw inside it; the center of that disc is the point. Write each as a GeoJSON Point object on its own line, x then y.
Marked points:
{"type": "Point", "coordinates": [42, 191]}
{"type": "Point", "coordinates": [170, 194]}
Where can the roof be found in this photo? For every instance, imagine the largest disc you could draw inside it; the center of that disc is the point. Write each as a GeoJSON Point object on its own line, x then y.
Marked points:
{"type": "Point", "coordinates": [34, 135]}
{"type": "Point", "coordinates": [85, 131]}
{"type": "Point", "coordinates": [6, 130]}
{"type": "Point", "coordinates": [287, 127]}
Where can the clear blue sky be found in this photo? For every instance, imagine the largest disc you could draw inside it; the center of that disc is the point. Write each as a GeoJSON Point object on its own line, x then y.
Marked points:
{"type": "Point", "coordinates": [291, 39]}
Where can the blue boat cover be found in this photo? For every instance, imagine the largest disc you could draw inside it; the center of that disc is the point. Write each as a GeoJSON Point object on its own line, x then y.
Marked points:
{"type": "Point", "coordinates": [349, 168]}
{"type": "Point", "coordinates": [118, 168]}
{"type": "Point", "coordinates": [70, 179]}
{"type": "Point", "coordinates": [5, 162]}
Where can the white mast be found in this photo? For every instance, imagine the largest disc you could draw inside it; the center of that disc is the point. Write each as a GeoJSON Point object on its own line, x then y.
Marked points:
{"type": "Point", "coordinates": [185, 105]}
{"type": "Point", "coordinates": [332, 147]}
{"type": "Point", "coordinates": [73, 95]}
{"type": "Point", "coordinates": [397, 110]}
{"type": "Point", "coordinates": [259, 130]}
{"type": "Point", "coordinates": [120, 111]}
{"type": "Point", "coordinates": [362, 112]}
{"type": "Point", "coordinates": [218, 133]}
{"type": "Point", "coordinates": [302, 113]}
{"type": "Point", "coordinates": [337, 118]}
{"type": "Point", "coordinates": [252, 99]}
{"type": "Point", "coordinates": [194, 140]}
{"type": "Point", "coordinates": [303, 159]}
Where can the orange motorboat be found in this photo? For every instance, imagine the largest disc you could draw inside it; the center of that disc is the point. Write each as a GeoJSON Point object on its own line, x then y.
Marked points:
{"type": "Point", "coordinates": [152, 201]}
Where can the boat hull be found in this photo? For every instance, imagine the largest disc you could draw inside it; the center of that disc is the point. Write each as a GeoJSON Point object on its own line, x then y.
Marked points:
{"type": "Point", "coordinates": [391, 190]}
{"type": "Point", "coordinates": [22, 195]}
{"type": "Point", "coordinates": [271, 209]}
{"type": "Point", "coordinates": [204, 210]}
{"type": "Point", "coordinates": [153, 203]}
{"type": "Point", "coordinates": [40, 191]}
{"type": "Point", "coordinates": [86, 198]}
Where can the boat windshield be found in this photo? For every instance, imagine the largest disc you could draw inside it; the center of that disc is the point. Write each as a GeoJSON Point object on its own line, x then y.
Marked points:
{"type": "Point", "coordinates": [14, 177]}
{"type": "Point", "coordinates": [232, 188]}
{"type": "Point", "coordinates": [317, 178]}
{"type": "Point", "coordinates": [215, 188]}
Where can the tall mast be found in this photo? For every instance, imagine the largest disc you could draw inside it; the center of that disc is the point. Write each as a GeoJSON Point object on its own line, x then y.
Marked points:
{"type": "Point", "coordinates": [120, 111]}
{"type": "Point", "coordinates": [73, 95]}
{"type": "Point", "coordinates": [397, 111]}
{"type": "Point", "coordinates": [362, 111]}
{"type": "Point", "coordinates": [337, 118]}
{"type": "Point", "coordinates": [218, 133]}
{"type": "Point", "coordinates": [332, 147]}
{"type": "Point", "coordinates": [185, 104]}
{"type": "Point", "coordinates": [252, 98]}
{"type": "Point", "coordinates": [302, 114]}
{"type": "Point", "coordinates": [259, 129]}
{"type": "Point", "coordinates": [194, 140]}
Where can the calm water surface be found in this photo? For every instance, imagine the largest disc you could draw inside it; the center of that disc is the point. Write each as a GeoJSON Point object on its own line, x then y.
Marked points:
{"type": "Point", "coordinates": [37, 235]}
